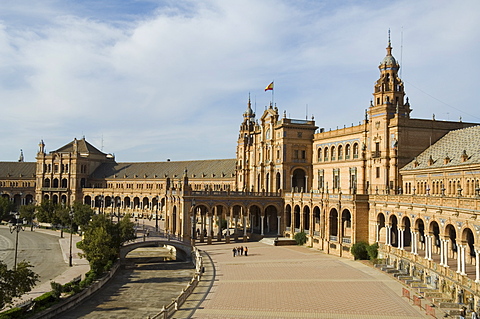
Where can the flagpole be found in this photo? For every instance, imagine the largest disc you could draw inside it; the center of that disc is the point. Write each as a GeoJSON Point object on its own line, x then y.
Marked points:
{"type": "Point", "coordinates": [273, 90]}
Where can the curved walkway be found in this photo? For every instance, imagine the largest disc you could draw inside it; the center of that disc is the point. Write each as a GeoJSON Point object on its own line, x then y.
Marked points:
{"type": "Point", "coordinates": [292, 282]}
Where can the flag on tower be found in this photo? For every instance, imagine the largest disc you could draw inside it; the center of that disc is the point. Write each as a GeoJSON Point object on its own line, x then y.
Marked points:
{"type": "Point", "coordinates": [269, 87]}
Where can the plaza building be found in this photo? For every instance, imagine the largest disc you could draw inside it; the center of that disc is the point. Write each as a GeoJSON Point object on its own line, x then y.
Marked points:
{"type": "Point", "coordinates": [410, 185]}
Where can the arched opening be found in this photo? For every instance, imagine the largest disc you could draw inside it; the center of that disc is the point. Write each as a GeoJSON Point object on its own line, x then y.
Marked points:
{"type": "Point", "coordinates": [46, 182]}
{"type": "Point", "coordinates": [64, 183]}
{"type": "Point", "coordinates": [256, 217]}
{"type": "Point", "coordinates": [288, 217]}
{"type": "Point", "coordinates": [435, 230]}
{"type": "Point", "coordinates": [267, 182]}
{"type": "Point", "coordinates": [299, 181]}
{"type": "Point", "coordinates": [381, 229]}
{"type": "Point", "coordinates": [306, 219]}
{"type": "Point", "coordinates": [296, 216]}
{"type": "Point", "coordinates": [271, 221]}
{"type": "Point", "coordinates": [394, 231]}
{"type": "Point", "coordinates": [346, 226]}
{"type": "Point", "coordinates": [407, 235]}
{"type": "Point", "coordinates": [87, 200]}
{"type": "Point", "coordinates": [316, 221]}
{"type": "Point", "coordinates": [55, 183]}
{"type": "Point", "coordinates": [278, 182]}
{"type": "Point", "coordinates": [333, 225]}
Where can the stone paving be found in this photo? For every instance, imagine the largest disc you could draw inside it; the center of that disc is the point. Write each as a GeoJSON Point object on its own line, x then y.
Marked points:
{"type": "Point", "coordinates": [292, 282]}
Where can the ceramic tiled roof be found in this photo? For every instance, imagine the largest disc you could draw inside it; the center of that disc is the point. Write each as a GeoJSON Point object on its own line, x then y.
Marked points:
{"type": "Point", "coordinates": [17, 170]}
{"type": "Point", "coordinates": [195, 169]}
{"type": "Point", "coordinates": [452, 146]}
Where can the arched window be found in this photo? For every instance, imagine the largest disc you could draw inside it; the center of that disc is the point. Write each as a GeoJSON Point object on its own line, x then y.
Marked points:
{"type": "Point", "coordinates": [340, 152]}
{"type": "Point", "coordinates": [319, 154]}
{"type": "Point", "coordinates": [347, 151]}
{"type": "Point", "coordinates": [325, 154]}
{"type": "Point", "coordinates": [332, 153]}
{"type": "Point", "coordinates": [355, 150]}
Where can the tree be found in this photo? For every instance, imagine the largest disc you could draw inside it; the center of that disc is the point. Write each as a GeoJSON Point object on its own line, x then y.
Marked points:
{"type": "Point", "coordinates": [46, 212]}
{"type": "Point", "coordinates": [82, 213]}
{"type": "Point", "coordinates": [6, 207]}
{"type": "Point", "coordinates": [126, 230]}
{"type": "Point", "coordinates": [14, 283]}
{"type": "Point", "coordinates": [62, 217]}
{"type": "Point", "coordinates": [102, 240]}
{"type": "Point", "coordinates": [27, 213]}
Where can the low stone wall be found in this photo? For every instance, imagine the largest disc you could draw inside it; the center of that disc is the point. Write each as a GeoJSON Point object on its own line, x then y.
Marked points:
{"type": "Point", "coordinates": [76, 299]}
{"type": "Point", "coordinates": [169, 310]}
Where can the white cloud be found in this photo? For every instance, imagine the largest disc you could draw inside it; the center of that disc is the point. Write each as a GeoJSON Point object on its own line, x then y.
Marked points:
{"type": "Point", "coordinates": [172, 82]}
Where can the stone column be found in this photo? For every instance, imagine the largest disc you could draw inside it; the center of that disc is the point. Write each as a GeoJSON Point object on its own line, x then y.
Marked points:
{"type": "Point", "coordinates": [210, 229]}
{"type": "Point", "coordinates": [477, 265]}
{"type": "Point", "coordinates": [245, 239]}
{"type": "Point", "coordinates": [445, 251]}
{"type": "Point", "coordinates": [262, 217]}
{"type": "Point", "coordinates": [202, 226]}
{"type": "Point", "coordinates": [426, 237]}
{"type": "Point", "coordinates": [463, 260]}
{"type": "Point", "coordinates": [401, 234]}
{"type": "Point", "coordinates": [459, 258]}
{"type": "Point", "coordinates": [227, 237]}
{"type": "Point", "coordinates": [377, 232]}
{"type": "Point", "coordinates": [442, 249]}
{"type": "Point", "coordinates": [278, 225]}
{"type": "Point", "coordinates": [412, 241]}
{"type": "Point", "coordinates": [388, 235]}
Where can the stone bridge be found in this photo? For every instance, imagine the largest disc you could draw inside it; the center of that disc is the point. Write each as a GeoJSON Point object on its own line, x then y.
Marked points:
{"type": "Point", "coordinates": [182, 250]}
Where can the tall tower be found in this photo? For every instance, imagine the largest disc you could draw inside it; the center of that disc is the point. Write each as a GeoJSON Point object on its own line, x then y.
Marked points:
{"type": "Point", "coordinates": [387, 112]}
{"type": "Point", "coordinates": [389, 91]}
{"type": "Point", "coordinates": [245, 148]}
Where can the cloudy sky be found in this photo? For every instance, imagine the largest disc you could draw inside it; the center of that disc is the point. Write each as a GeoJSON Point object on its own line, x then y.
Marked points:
{"type": "Point", "coordinates": [149, 80]}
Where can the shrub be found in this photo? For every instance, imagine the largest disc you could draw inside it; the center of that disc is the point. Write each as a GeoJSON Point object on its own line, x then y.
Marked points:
{"type": "Point", "coordinates": [359, 250]}
{"type": "Point", "coordinates": [300, 238]}
{"type": "Point", "coordinates": [12, 313]}
{"type": "Point", "coordinates": [372, 251]}
{"type": "Point", "coordinates": [57, 289]}
{"type": "Point", "coordinates": [44, 300]}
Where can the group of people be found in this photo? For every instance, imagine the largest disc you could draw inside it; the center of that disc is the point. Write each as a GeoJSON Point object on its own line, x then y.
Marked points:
{"type": "Point", "coordinates": [239, 251]}
{"type": "Point", "coordinates": [463, 313]}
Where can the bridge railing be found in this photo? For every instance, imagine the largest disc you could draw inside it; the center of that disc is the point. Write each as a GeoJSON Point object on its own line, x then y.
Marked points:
{"type": "Point", "coordinates": [169, 310]}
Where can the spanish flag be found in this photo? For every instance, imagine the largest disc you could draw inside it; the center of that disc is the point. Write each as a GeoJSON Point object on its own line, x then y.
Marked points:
{"type": "Point", "coordinates": [269, 87]}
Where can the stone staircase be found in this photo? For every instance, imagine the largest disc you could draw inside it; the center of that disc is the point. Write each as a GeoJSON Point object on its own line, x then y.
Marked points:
{"type": "Point", "coordinates": [440, 300]}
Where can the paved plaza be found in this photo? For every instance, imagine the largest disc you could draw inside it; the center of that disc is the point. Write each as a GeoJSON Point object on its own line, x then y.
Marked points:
{"type": "Point", "coordinates": [292, 282]}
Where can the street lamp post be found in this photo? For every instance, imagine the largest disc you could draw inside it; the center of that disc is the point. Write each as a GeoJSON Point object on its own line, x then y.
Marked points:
{"type": "Point", "coordinates": [71, 234]}
{"type": "Point", "coordinates": [156, 215]}
{"type": "Point", "coordinates": [16, 226]}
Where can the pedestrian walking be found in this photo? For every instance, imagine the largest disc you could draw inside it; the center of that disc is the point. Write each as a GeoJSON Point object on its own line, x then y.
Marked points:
{"type": "Point", "coordinates": [246, 251]}
{"type": "Point", "coordinates": [475, 315]}
{"type": "Point", "coordinates": [234, 251]}
{"type": "Point", "coordinates": [463, 312]}
{"type": "Point", "coordinates": [241, 250]}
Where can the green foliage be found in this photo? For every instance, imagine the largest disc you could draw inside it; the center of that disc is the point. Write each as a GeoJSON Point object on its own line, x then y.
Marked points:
{"type": "Point", "coordinates": [14, 283]}
{"type": "Point", "coordinates": [57, 289]}
{"type": "Point", "coordinates": [300, 238]}
{"type": "Point", "coordinates": [12, 313]}
{"type": "Point", "coordinates": [27, 213]}
{"type": "Point", "coordinates": [126, 229]}
{"type": "Point", "coordinates": [359, 250]}
{"type": "Point", "coordinates": [102, 240]}
{"type": "Point", "coordinates": [372, 251]}
{"type": "Point", "coordinates": [46, 212]}
{"type": "Point", "coordinates": [82, 213]}
{"type": "Point", "coordinates": [44, 301]}
{"type": "Point", "coordinates": [6, 207]}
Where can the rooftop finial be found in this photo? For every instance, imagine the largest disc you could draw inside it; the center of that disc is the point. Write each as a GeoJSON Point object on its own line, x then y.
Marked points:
{"type": "Point", "coordinates": [389, 47]}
